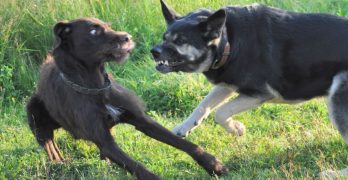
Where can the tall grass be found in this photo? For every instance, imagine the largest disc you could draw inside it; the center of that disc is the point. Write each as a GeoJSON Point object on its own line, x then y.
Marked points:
{"type": "Point", "coordinates": [26, 33]}
{"type": "Point", "coordinates": [281, 142]}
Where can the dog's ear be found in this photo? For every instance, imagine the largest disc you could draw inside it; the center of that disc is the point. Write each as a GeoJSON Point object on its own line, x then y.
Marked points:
{"type": "Point", "coordinates": [213, 25]}
{"type": "Point", "coordinates": [61, 31]}
{"type": "Point", "coordinates": [169, 15]}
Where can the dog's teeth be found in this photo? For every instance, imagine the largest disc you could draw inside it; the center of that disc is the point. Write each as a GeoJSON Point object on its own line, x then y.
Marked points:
{"type": "Point", "coordinates": [162, 63]}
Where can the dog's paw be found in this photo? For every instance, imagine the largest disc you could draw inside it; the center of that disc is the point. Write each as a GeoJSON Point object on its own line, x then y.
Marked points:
{"type": "Point", "coordinates": [220, 169]}
{"type": "Point", "coordinates": [147, 175]}
{"type": "Point", "coordinates": [235, 127]}
{"type": "Point", "coordinates": [212, 165]}
{"type": "Point", "coordinates": [330, 174]}
{"type": "Point", "coordinates": [181, 130]}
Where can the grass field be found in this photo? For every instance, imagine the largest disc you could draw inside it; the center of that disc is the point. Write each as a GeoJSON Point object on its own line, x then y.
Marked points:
{"type": "Point", "coordinates": [282, 141]}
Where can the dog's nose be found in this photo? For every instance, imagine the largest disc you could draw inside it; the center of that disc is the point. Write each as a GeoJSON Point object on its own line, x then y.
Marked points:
{"type": "Point", "coordinates": [123, 36]}
{"type": "Point", "coordinates": [156, 52]}
{"type": "Point", "coordinates": [126, 38]}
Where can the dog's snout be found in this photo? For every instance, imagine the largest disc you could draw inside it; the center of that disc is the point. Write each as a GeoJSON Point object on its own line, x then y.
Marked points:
{"type": "Point", "coordinates": [126, 38]}
{"type": "Point", "coordinates": [123, 36]}
{"type": "Point", "coordinates": [156, 51]}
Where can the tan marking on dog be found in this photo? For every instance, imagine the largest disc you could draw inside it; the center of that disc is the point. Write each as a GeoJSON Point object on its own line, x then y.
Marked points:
{"type": "Point", "coordinates": [216, 97]}
{"type": "Point", "coordinates": [215, 42]}
{"type": "Point", "coordinates": [188, 50]}
{"type": "Point", "coordinates": [241, 103]}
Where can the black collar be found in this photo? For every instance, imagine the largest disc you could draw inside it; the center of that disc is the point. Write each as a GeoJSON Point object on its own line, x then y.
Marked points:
{"type": "Point", "coordinates": [85, 90]}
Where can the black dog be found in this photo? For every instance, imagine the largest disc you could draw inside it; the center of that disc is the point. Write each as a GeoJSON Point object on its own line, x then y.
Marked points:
{"type": "Point", "coordinates": [263, 53]}
{"type": "Point", "coordinates": [76, 93]}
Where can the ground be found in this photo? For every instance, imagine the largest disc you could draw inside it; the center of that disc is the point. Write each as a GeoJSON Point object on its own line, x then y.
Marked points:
{"type": "Point", "coordinates": [281, 141]}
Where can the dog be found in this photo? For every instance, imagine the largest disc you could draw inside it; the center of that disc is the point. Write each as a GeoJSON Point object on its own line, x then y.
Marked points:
{"type": "Point", "coordinates": [75, 93]}
{"type": "Point", "coordinates": [264, 54]}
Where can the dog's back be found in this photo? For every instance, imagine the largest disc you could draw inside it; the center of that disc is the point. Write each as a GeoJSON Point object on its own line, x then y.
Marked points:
{"type": "Point", "coordinates": [296, 54]}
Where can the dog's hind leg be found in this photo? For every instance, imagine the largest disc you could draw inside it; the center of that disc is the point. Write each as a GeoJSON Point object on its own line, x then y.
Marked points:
{"type": "Point", "coordinates": [215, 98]}
{"type": "Point", "coordinates": [42, 125]}
{"type": "Point", "coordinates": [338, 111]}
{"type": "Point", "coordinates": [152, 129]}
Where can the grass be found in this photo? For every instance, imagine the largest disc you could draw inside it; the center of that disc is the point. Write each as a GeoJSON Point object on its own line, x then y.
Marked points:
{"type": "Point", "coordinates": [282, 141]}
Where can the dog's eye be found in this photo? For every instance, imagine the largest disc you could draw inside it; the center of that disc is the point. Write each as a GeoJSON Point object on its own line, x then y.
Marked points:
{"type": "Point", "coordinates": [96, 30]}
{"type": "Point", "coordinates": [93, 32]}
{"type": "Point", "coordinates": [179, 41]}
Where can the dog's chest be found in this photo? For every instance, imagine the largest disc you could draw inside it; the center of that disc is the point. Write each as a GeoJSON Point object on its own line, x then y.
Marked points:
{"type": "Point", "coordinates": [278, 98]}
{"type": "Point", "coordinates": [114, 112]}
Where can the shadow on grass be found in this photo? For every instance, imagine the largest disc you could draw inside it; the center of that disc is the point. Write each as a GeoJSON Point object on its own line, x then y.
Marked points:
{"type": "Point", "coordinates": [293, 162]}
{"type": "Point", "coordinates": [33, 163]}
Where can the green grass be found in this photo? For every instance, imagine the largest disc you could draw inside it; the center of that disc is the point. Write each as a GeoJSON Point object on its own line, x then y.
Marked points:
{"type": "Point", "coordinates": [282, 141]}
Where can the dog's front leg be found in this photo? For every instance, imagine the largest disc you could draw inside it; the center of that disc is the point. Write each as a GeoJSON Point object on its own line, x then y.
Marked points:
{"type": "Point", "coordinates": [215, 97]}
{"type": "Point", "coordinates": [110, 150]}
{"type": "Point", "coordinates": [241, 103]}
{"type": "Point", "coordinates": [152, 129]}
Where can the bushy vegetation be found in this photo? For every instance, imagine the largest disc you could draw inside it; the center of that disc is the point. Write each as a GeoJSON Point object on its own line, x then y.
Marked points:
{"type": "Point", "coordinates": [282, 141]}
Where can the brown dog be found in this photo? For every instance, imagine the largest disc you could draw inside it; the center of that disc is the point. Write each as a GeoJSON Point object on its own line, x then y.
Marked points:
{"type": "Point", "coordinates": [75, 93]}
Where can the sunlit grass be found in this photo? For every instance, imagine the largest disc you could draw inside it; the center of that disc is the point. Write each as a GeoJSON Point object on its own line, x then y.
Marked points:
{"type": "Point", "coordinates": [282, 141]}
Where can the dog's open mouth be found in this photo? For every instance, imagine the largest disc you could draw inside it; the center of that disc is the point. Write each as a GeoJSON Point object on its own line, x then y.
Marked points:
{"type": "Point", "coordinates": [165, 66]}
{"type": "Point", "coordinates": [170, 64]}
{"type": "Point", "coordinates": [122, 53]}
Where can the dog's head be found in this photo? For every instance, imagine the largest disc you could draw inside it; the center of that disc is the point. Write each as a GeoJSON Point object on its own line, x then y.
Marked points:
{"type": "Point", "coordinates": [92, 41]}
{"type": "Point", "coordinates": [190, 42]}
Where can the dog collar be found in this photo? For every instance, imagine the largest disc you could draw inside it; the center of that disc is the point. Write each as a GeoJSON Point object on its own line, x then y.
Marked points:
{"type": "Point", "coordinates": [219, 62]}
{"type": "Point", "coordinates": [85, 90]}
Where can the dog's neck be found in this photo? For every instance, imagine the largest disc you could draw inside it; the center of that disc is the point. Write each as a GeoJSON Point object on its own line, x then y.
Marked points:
{"type": "Point", "coordinates": [222, 52]}
{"type": "Point", "coordinates": [75, 71]}
{"type": "Point", "coordinates": [86, 90]}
